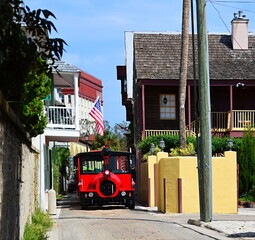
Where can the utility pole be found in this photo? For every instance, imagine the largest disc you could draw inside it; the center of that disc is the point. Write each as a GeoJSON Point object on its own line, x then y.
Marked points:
{"type": "Point", "coordinates": [205, 159]}
{"type": "Point", "coordinates": [183, 71]}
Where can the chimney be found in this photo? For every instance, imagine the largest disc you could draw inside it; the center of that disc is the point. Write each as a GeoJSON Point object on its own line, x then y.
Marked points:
{"type": "Point", "coordinates": [239, 35]}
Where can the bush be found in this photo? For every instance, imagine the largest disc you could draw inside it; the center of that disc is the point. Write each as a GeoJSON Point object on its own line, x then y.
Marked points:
{"type": "Point", "coordinates": [246, 160]}
{"type": "Point", "coordinates": [219, 144]}
{"type": "Point", "coordinates": [171, 141]}
{"type": "Point", "coordinates": [188, 151]}
{"type": "Point", "coordinates": [37, 230]}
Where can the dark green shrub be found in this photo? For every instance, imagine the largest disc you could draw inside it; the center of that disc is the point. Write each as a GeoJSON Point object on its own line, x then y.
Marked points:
{"type": "Point", "coordinates": [219, 144]}
{"type": "Point", "coordinates": [171, 141]}
{"type": "Point", "coordinates": [246, 160]}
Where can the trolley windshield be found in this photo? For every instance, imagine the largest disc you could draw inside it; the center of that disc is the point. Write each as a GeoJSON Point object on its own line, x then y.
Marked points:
{"type": "Point", "coordinates": [95, 164]}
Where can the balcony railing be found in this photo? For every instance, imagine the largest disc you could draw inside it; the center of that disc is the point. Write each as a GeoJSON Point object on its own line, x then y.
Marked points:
{"type": "Point", "coordinates": [60, 117]}
{"type": "Point", "coordinates": [243, 119]}
{"type": "Point", "coordinates": [220, 122]}
{"type": "Point", "coordinates": [148, 133]}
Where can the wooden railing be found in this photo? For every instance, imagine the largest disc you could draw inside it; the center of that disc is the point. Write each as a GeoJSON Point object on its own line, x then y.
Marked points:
{"type": "Point", "coordinates": [148, 133]}
{"type": "Point", "coordinates": [220, 122]}
{"type": "Point", "coordinates": [60, 117]}
{"type": "Point", "coordinates": [243, 119]}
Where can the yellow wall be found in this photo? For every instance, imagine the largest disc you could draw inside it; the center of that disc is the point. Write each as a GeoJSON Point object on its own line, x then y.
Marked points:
{"type": "Point", "coordinates": [225, 187]}
{"type": "Point", "coordinates": [224, 181]}
{"type": "Point", "coordinates": [152, 160]}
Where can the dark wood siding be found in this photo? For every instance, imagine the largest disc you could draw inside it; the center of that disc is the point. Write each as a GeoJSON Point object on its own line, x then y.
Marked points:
{"type": "Point", "coordinates": [220, 99]}
{"type": "Point", "coordinates": [152, 113]}
{"type": "Point", "coordinates": [243, 98]}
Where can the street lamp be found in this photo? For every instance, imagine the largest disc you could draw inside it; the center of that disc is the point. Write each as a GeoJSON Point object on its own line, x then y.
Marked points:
{"type": "Point", "coordinates": [86, 138]}
{"type": "Point", "coordinates": [162, 144]}
{"type": "Point", "coordinates": [152, 149]}
{"type": "Point", "coordinates": [230, 144]}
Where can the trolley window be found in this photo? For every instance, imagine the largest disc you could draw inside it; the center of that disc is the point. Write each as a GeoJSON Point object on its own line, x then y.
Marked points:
{"type": "Point", "coordinates": [95, 164]}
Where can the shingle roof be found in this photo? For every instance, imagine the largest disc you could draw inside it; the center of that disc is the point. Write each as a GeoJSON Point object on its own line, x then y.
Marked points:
{"type": "Point", "coordinates": [157, 56]}
{"type": "Point", "coordinates": [65, 67]}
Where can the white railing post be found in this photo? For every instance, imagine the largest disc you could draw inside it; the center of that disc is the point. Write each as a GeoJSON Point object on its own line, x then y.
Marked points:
{"type": "Point", "coordinates": [76, 101]}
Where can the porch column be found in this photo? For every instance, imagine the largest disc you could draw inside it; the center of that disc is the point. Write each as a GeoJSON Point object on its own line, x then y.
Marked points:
{"type": "Point", "coordinates": [143, 110]}
{"type": "Point", "coordinates": [76, 101]}
{"type": "Point", "coordinates": [189, 109]}
{"type": "Point", "coordinates": [231, 107]}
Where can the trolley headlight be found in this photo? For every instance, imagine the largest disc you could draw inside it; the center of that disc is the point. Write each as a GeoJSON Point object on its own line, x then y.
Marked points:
{"type": "Point", "coordinates": [123, 193]}
{"type": "Point", "coordinates": [107, 172]}
{"type": "Point", "coordinates": [91, 194]}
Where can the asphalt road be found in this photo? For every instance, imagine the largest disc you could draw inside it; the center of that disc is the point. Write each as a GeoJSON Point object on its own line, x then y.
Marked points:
{"type": "Point", "coordinates": [117, 222]}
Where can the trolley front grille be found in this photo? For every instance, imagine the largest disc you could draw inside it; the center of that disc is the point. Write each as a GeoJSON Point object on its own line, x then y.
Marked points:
{"type": "Point", "coordinates": [107, 188]}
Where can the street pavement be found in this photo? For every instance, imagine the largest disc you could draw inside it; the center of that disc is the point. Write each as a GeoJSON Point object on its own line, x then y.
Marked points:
{"type": "Point", "coordinates": [237, 226]}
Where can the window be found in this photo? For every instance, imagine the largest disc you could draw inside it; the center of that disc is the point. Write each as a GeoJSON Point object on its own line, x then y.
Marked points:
{"type": "Point", "coordinates": [63, 98]}
{"type": "Point", "coordinates": [167, 106]}
{"type": "Point", "coordinates": [95, 164]}
{"type": "Point", "coordinates": [69, 98]}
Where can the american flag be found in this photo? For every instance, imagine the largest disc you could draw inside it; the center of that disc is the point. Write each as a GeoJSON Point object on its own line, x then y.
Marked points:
{"type": "Point", "coordinates": [96, 113]}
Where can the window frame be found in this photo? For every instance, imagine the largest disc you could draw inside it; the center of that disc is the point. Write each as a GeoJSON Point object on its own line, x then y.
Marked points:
{"type": "Point", "coordinates": [167, 107]}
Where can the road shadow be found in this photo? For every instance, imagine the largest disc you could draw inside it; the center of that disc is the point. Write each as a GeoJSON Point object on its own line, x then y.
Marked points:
{"type": "Point", "coordinates": [71, 201]}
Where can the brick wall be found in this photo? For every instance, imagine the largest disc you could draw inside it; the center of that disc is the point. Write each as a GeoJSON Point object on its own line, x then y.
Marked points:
{"type": "Point", "coordinates": [18, 175]}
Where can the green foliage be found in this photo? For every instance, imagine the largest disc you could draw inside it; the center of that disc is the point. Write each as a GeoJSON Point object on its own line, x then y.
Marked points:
{"type": "Point", "coordinates": [189, 150]}
{"type": "Point", "coordinates": [219, 145]}
{"type": "Point", "coordinates": [146, 155]}
{"type": "Point", "coordinates": [60, 162]}
{"type": "Point", "coordinates": [24, 49]}
{"type": "Point", "coordinates": [35, 89]}
{"type": "Point", "coordinates": [113, 137]}
{"type": "Point", "coordinates": [246, 160]}
{"type": "Point", "coordinates": [247, 198]}
{"type": "Point", "coordinates": [171, 141]}
{"type": "Point", "coordinates": [110, 139]}
{"type": "Point", "coordinates": [37, 230]}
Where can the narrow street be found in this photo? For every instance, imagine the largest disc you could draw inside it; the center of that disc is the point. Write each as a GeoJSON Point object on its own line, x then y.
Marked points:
{"type": "Point", "coordinates": [117, 222]}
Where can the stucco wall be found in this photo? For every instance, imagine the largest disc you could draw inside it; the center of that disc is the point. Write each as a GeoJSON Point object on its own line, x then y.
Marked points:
{"type": "Point", "coordinates": [18, 178]}
{"type": "Point", "coordinates": [224, 184]}
{"type": "Point", "coordinates": [144, 183]}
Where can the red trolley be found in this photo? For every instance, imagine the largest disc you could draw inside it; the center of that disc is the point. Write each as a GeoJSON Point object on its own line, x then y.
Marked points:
{"type": "Point", "coordinates": [104, 178]}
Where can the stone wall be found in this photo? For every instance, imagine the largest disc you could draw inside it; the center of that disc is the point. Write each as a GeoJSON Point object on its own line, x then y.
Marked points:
{"type": "Point", "coordinates": [18, 175]}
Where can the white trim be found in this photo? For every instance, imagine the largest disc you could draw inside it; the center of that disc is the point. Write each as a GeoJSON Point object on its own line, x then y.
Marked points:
{"type": "Point", "coordinates": [76, 100]}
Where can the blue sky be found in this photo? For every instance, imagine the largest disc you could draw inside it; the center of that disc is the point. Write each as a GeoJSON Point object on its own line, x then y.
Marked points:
{"type": "Point", "coordinates": [94, 31]}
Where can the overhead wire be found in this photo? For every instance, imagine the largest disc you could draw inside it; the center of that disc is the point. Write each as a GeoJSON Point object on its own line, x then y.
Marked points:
{"type": "Point", "coordinates": [220, 16]}
{"type": "Point", "coordinates": [224, 5]}
{"type": "Point", "coordinates": [226, 1]}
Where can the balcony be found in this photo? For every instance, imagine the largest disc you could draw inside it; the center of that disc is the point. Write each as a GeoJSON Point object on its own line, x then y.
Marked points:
{"type": "Point", "coordinates": [60, 117]}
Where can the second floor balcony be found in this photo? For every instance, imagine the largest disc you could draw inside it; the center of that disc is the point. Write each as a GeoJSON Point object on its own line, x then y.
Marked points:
{"type": "Point", "coordinates": [60, 117]}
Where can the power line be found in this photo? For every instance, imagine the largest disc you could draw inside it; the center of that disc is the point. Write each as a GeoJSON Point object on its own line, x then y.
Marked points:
{"type": "Point", "coordinates": [220, 16]}
{"type": "Point", "coordinates": [226, 1]}
{"type": "Point", "coordinates": [238, 8]}
{"type": "Point", "coordinates": [211, 1]}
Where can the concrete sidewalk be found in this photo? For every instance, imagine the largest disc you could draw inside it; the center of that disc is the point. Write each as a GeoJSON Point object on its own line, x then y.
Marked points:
{"type": "Point", "coordinates": [238, 226]}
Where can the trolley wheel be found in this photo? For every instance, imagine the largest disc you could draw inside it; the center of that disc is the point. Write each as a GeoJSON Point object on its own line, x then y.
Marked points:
{"type": "Point", "coordinates": [84, 206]}
{"type": "Point", "coordinates": [131, 204]}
